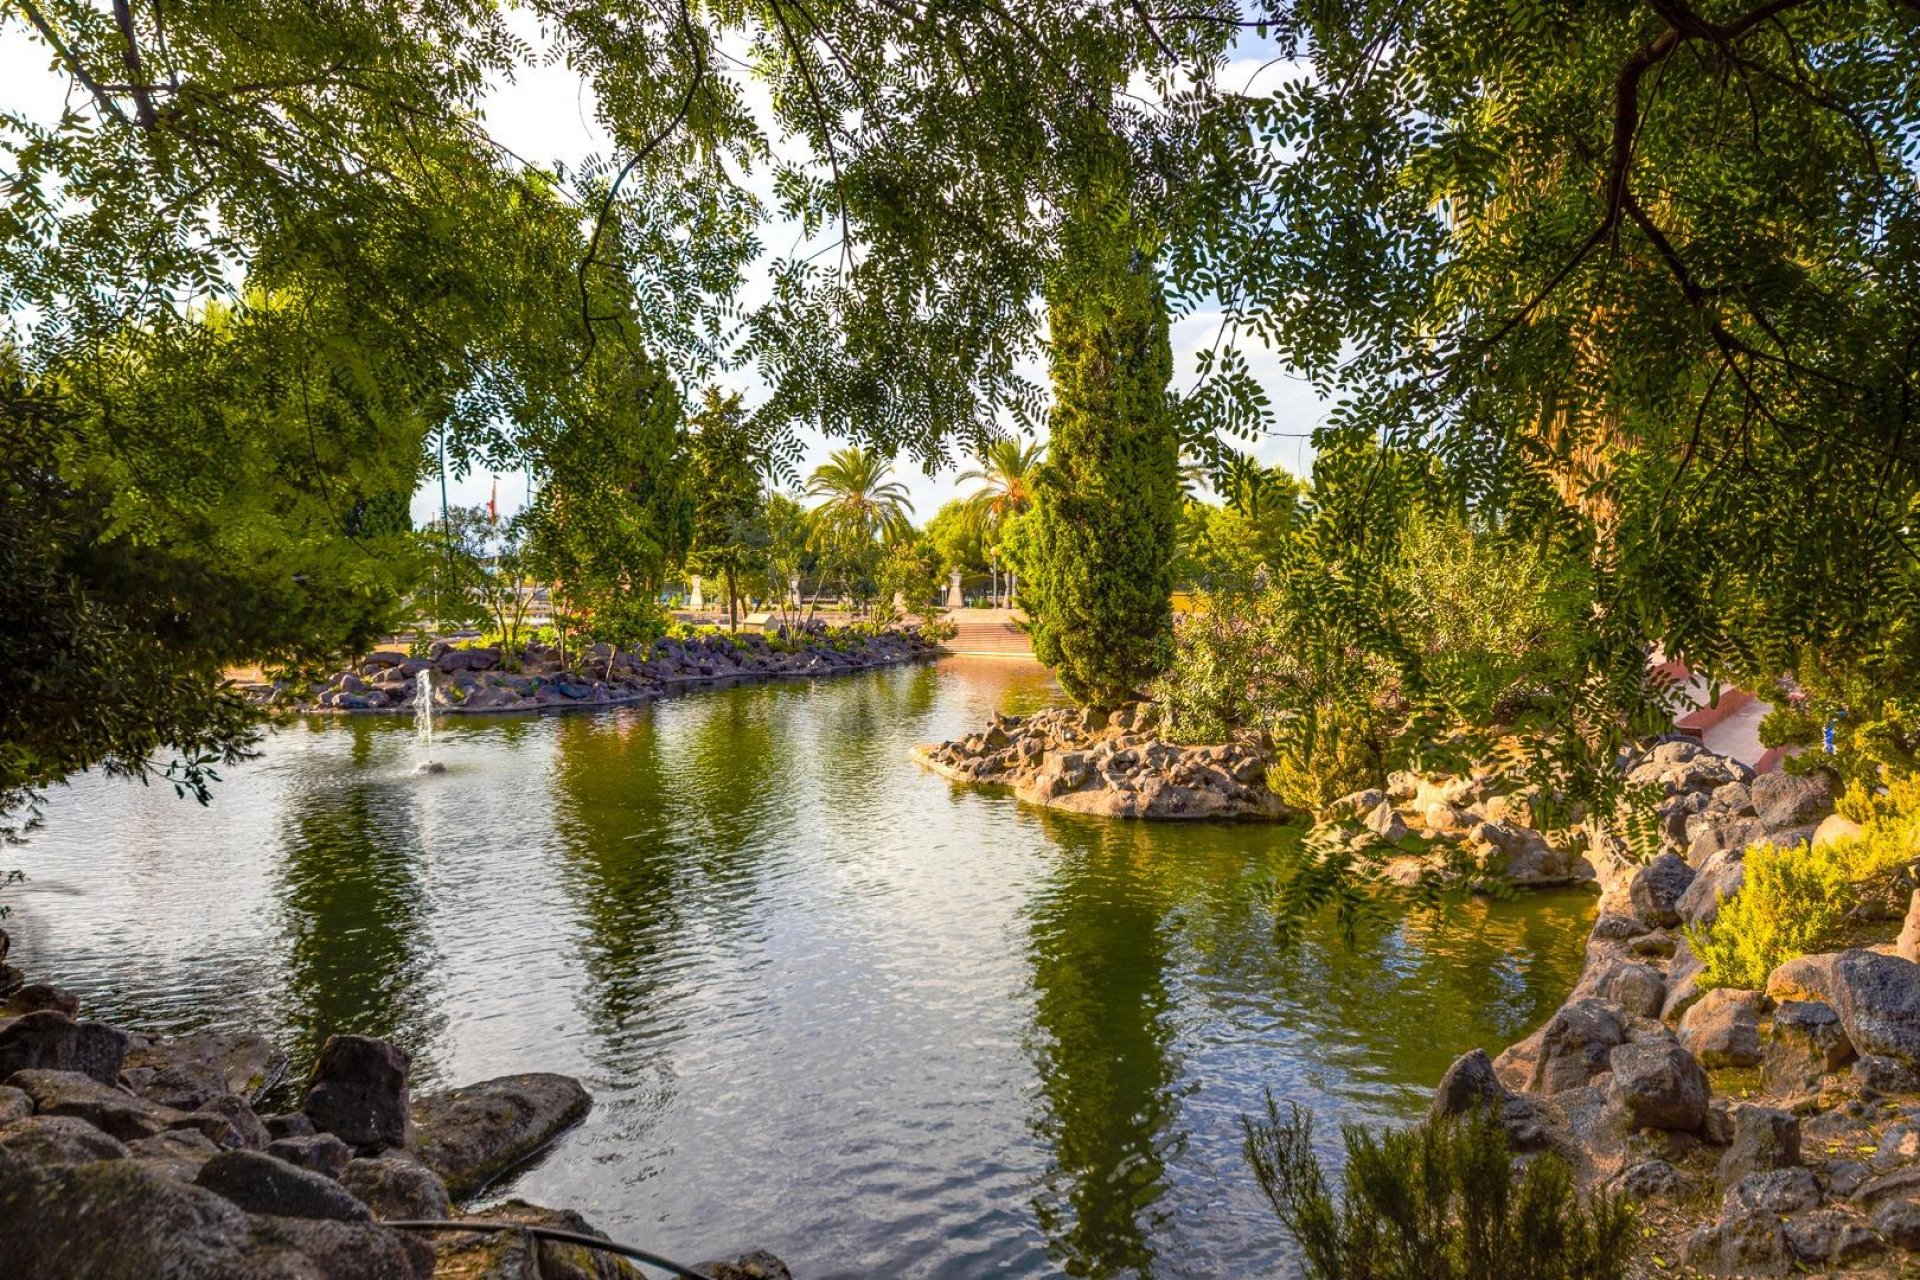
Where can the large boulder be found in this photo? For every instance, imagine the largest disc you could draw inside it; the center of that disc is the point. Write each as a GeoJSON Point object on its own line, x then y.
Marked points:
{"type": "Point", "coordinates": [1792, 799]}
{"type": "Point", "coordinates": [1469, 1085]}
{"type": "Point", "coordinates": [1657, 890]}
{"type": "Point", "coordinates": [117, 1220]}
{"type": "Point", "coordinates": [187, 1072]}
{"type": "Point", "coordinates": [48, 1040]}
{"type": "Point", "coordinates": [1570, 1050]}
{"type": "Point", "coordinates": [1633, 986]}
{"type": "Point", "coordinates": [1803, 978]}
{"type": "Point", "coordinates": [1723, 1028]}
{"type": "Point", "coordinates": [1713, 833]}
{"type": "Point", "coordinates": [177, 1153]}
{"type": "Point", "coordinates": [229, 1121]}
{"type": "Point", "coordinates": [1907, 947]}
{"type": "Point", "coordinates": [358, 1092]}
{"type": "Point", "coordinates": [54, 1140]}
{"type": "Point", "coordinates": [1764, 1139]}
{"type": "Point", "coordinates": [69, 1093]}
{"type": "Point", "coordinates": [1684, 973]}
{"type": "Point", "coordinates": [1658, 1085]}
{"type": "Point", "coordinates": [398, 1189]}
{"type": "Point", "coordinates": [259, 1183]}
{"type": "Point", "coordinates": [472, 1134]}
{"type": "Point", "coordinates": [1805, 1042]}
{"type": "Point", "coordinates": [1878, 999]}
{"type": "Point", "coordinates": [14, 1104]}
{"type": "Point", "coordinates": [321, 1153]}
{"type": "Point", "coordinates": [1719, 878]}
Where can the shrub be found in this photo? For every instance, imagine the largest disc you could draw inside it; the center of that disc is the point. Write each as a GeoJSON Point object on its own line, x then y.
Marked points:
{"type": "Point", "coordinates": [1438, 1201]}
{"type": "Point", "coordinates": [1794, 900]}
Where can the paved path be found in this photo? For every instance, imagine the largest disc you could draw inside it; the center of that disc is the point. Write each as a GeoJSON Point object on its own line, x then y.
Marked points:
{"type": "Point", "coordinates": [988, 633]}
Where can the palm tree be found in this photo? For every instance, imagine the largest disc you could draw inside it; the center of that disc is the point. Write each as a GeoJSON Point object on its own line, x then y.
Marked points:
{"type": "Point", "coordinates": [859, 504]}
{"type": "Point", "coordinates": [1006, 475]}
{"type": "Point", "coordinates": [857, 494]}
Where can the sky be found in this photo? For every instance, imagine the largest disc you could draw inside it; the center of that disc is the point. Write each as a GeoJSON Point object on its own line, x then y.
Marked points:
{"type": "Point", "coordinates": [546, 115]}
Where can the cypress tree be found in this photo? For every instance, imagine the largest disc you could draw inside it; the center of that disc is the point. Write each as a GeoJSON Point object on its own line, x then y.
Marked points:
{"type": "Point", "coordinates": [1099, 582]}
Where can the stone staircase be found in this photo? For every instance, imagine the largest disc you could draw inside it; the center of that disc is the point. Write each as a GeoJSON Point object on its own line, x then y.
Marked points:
{"type": "Point", "coordinates": [988, 633]}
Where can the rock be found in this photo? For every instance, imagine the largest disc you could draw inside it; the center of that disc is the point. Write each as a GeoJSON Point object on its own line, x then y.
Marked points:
{"type": "Point", "coordinates": [1805, 1042]}
{"type": "Point", "coordinates": [1908, 945]}
{"type": "Point", "coordinates": [1402, 786]}
{"type": "Point", "coordinates": [1777, 1191]}
{"type": "Point", "coordinates": [48, 1040]}
{"type": "Point", "coordinates": [187, 1072]}
{"type": "Point", "coordinates": [1723, 1028]}
{"type": "Point", "coordinates": [1650, 1180]}
{"type": "Point", "coordinates": [1574, 1046]}
{"type": "Point", "coordinates": [1730, 836]}
{"type": "Point", "coordinates": [1718, 879]}
{"type": "Point", "coordinates": [1468, 1085]}
{"type": "Point", "coordinates": [758, 1265]}
{"type": "Point", "coordinates": [1638, 989]}
{"type": "Point", "coordinates": [1790, 799]}
{"type": "Point", "coordinates": [1844, 1177]}
{"type": "Point", "coordinates": [54, 1140]}
{"type": "Point", "coordinates": [14, 1105]}
{"type": "Point", "coordinates": [1898, 1222]}
{"type": "Point", "coordinates": [1878, 999]}
{"type": "Point", "coordinates": [1764, 1139]}
{"type": "Point", "coordinates": [358, 1091]}
{"type": "Point", "coordinates": [242, 1129]}
{"type": "Point", "coordinates": [261, 1184]}
{"type": "Point", "coordinates": [323, 1153]}
{"type": "Point", "coordinates": [289, 1124]}
{"type": "Point", "coordinates": [1898, 1146]}
{"type": "Point", "coordinates": [469, 1135]}
{"type": "Point", "coordinates": [117, 1220]}
{"type": "Point", "coordinates": [69, 1093]}
{"type": "Point", "coordinates": [1618, 928]}
{"type": "Point", "coordinates": [1901, 1184]}
{"type": "Point", "coordinates": [1659, 1086]}
{"type": "Point", "coordinates": [1827, 1237]}
{"type": "Point", "coordinates": [177, 1153]}
{"type": "Point", "coordinates": [397, 1189]}
{"type": "Point", "coordinates": [1385, 823]}
{"type": "Point", "coordinates": [508, 1256]}
{"type": "Point", "coordinates": [1683, 982]}
{"type": "Point", "coordinates": [1884, 1075]}
{"type": "Point", "coordinates": [1806, 978]}
{"type": "Point", "coordinates": [1833, 828]}
{"type": "Point", "coordinates": [1656, 891]}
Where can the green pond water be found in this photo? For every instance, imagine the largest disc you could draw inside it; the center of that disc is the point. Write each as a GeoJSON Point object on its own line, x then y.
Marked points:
{"type": "Point", "coordinates": [828, 1004]}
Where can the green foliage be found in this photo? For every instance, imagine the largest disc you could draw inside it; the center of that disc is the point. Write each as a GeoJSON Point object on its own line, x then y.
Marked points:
{"type": "Point", "coordinates": [729, 503]}
{"type": "Point", "coordinates": [1225, 548]}
{"type": "Point", "coordinates": [1438, 1201]}
{"type": "Point", "coordinates": [614, 511]}
{"type": "Point", "coordinates": [1096, 553]}
{"type": "Point", "coordinates": [1794, 901]}
{"type": "Point", "coordinates": [860, 510]}
{"type": "Point", "coordinates": [1007, 474]}
{"type": "Point", "coordinates": [1467, 633]}
{"type": "Point", "coordinates": [954, 535]}
{"type": "Point", "coordinates": [1634, 282]}
{"type": "Point", "coordinates": [909, 573]}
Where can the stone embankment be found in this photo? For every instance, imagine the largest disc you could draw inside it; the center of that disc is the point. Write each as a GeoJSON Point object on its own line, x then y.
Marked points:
{"type": "Point", "coordinates": [1764, 1132]}
{"type": "Point", "coordinates": [482, 679]}
{"type": "Point", "coordinates": [126, 1156]}
{"type": "Point", "coordinates": [1111, 764]}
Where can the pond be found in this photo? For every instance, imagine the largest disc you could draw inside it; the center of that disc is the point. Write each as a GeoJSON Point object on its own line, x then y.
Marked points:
{"type": "Point", "coordinates": [828, 1004]}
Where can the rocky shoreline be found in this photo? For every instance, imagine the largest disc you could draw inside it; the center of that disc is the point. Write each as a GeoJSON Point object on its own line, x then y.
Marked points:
{"type": "Point", "coordinates": [483, 680]}
{"type": "Point", "coordinates": [1111, 764]}
{"type": "Point", "coordinates": [125, 1156]}
{"type": "Point", "coordinates": [1763, 1132]}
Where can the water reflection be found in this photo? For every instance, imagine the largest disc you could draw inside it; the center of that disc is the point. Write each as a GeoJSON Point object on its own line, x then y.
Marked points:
{"type": "Point", "coordinates": [827, 1002]}
{"type": "Point", "coordinates": [357, 953]}
{"type": "Point", "coordinates": [1103, 1048]}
